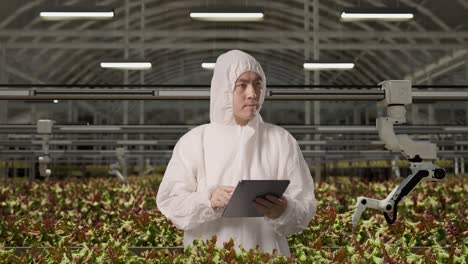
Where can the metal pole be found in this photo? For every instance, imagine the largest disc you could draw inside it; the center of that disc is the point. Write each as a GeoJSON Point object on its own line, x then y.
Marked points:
{"type": "Point", "coordinates": [32, 120]}
{"type": "Point", "coordinates": [462, 165]}
{"type": "Point", "coordinates": [15, 169]}
{"type": "Point", "coordinates": [356, 116]}
{"type": "Point", "coordinates": [366, 117]}
{"type": "Point", "coordinates": [415, 115]}
{"type": "Point", "coordinates": [307, 104]}
{"type": "Point", "coordinates": [430, 109]}
{"type": "Point", "coordinates": [126, 55]}
{"type": "Point", "coordinates": [125, 73]}
{"type": "Point", "coordinates": [142, 81]}
{"type": "Point", "coordinates": [32, 168]}
{"type": "Point", "coordinates": [318, 163]}
{"type": "Point", "coordinates": [466, 81]}
{"type": "Point", "coordinates": [3, 79]}
{"type": "Point", "coordinates": [3, 105]}
{"type": "Point", "coordinates": [203, 94]}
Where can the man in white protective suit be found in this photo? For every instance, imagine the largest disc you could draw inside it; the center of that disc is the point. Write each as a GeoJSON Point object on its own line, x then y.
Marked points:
{"type": "Point", "coordinates": [209, 160]}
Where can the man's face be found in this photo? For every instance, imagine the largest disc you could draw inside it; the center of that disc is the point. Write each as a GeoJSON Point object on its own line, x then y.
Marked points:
{"type": "Point", "coordinates": [247, 92]}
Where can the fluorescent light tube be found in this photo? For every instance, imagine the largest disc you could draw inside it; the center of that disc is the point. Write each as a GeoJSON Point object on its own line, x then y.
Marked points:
{"type": "Point", "coordinates": [77, 12]}
{"type": "Point", "coordinates": [126, 65]}
{"type": "Point", "coordinates": [317, 66]}
{"type": "Point", "coordinates": [233, 17]}
{"type": "Point", "coordinates": [385, 14]}
{"type": "Point", "coordinates": [371, 16]}
{"type": "Point", "coordinates": [208, 65]}
{"type": "Point", "coordinates": [232, 14]}
{"type": "Point", "coordinates": [76, 15]}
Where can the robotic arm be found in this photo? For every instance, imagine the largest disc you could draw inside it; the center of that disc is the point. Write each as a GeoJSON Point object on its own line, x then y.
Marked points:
{"type": "Point", "coordinates": [121, 163]}
{"type": "Point", "coordinates": [44, 128]}
{"type": "Point", "coordinates": [420, 154]}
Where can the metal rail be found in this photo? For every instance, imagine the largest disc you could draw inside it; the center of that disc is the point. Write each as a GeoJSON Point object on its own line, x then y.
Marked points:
{"type": "Point", "coordinates": [163, 142]}
{"type": "Point", "coordinates": [44, 94]}
{"type": "Point", "coordinates": [206, 86]}
{"type": "Point", "coordinates": [180, 129]}
{"type": "Point", "coordinates": [168, 153]}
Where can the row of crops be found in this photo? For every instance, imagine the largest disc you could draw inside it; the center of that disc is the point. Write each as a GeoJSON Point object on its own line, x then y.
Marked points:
{"type": "Point", "coordinates": [103, 220]}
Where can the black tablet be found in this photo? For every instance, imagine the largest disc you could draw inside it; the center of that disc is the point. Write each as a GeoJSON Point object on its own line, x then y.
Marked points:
{"type": "Point", "coordinates": [241, 202]}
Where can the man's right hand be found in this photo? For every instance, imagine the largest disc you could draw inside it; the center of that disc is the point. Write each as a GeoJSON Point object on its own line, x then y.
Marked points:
{"type": "Point", "coordinates": [221, 196]}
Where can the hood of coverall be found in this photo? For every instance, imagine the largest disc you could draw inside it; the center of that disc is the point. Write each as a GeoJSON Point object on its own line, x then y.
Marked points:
{"type": "Point", "coordinates": [229, 66]}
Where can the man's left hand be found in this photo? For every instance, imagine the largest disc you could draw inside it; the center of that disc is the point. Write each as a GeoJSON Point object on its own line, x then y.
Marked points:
{"type": "Point", "coordinates": [272, 207]}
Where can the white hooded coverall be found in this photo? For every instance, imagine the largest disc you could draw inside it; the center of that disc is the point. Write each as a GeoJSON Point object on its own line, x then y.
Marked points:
{"type": "Point", "coordinates": [222, 153]}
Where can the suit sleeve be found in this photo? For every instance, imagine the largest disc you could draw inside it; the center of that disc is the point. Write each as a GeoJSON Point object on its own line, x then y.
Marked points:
{"type": "Point", "coordinates": [177, 197]}
{"type": "Point", "coordinates": [302, 204]}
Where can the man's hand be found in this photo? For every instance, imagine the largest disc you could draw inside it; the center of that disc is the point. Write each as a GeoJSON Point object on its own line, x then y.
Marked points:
{"type": "Point", "coordinates": [272, 207]}
{"type": "Point", "coordinates": [221, 196]}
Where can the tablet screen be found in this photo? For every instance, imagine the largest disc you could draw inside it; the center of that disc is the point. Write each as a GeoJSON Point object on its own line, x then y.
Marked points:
{"type": "Point", "coordinates": [241, 202]}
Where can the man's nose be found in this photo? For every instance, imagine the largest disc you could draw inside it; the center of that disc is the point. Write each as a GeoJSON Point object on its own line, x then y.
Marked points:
{"type": "Point", "coordinates": [251, 92]}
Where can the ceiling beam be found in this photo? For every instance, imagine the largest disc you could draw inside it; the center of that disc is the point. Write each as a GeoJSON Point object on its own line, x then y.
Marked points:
{"type": "Point", "coordinates": [442, 65]}
{"type": "Point", "coordinates": [235, 34]}
{"type": "Point", "coordinates": [92, 45]}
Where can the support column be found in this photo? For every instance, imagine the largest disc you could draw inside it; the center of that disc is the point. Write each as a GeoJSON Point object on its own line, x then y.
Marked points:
{"type": "Point", "coordinates": [70, 119]}
{"type": "Point", "coordinates": [466, 81]}
{"type": "Point", "coordinates": [415, 115]}
{"type": "Point", "coordinates": [96, 121]}
{"type": "Point", "coordinates": [356, 116]}
{"type": "Point", "coordinates": [3, 79]}
{"type": "Point", "coordinates": [3, 107]}
{"type": "Point", "coordinates": [366, 117]}
{"type": "Point", "coordinates": [125, 77]}
{"type": "Point", "coordinates": [318, 161]}
{"type": "Point", "coordinates": [430, 107]}
{"type": "Point", "coordinates": [142, 81]}
{"type": "Point", "coordinates": [455, 166]}
{"type": "Point", "coordinates": [462, 161]}
{"type": "Point", "coordinates": [466, 113]}
{"type": "Point", "coordinates": [453, 117]}
{"type": "Point", "coordinates": [15, 168]}
{"type": "Point", "coordinates": [126, 55]}
{"type": "Point", "coordinates": [33, 117]}
{"type": "Point", "coordinates": [32, 168]}
{"type": "Point", "coordinates": [307, 104]}
{"type": "Point", "coordinates": [431, 114]}
{"type": "Point", "coordinates": [181, 111]}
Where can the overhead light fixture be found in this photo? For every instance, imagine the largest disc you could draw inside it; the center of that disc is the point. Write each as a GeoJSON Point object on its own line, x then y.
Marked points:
{"type": "Point", "coordinates": [126, 65]}
{"type": "Point", "coordinates": [56, 101]}
{"type": "Point", "coordinates": [385, 14]}
{"type": "Point", "coordinates": [228, 14]}
{"type": "Point", "coordinates": [318, 66]}
{"type": "Point", "coordinates": [208, 65]}
{"type": "Point", "coordinates": [77, 12]}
